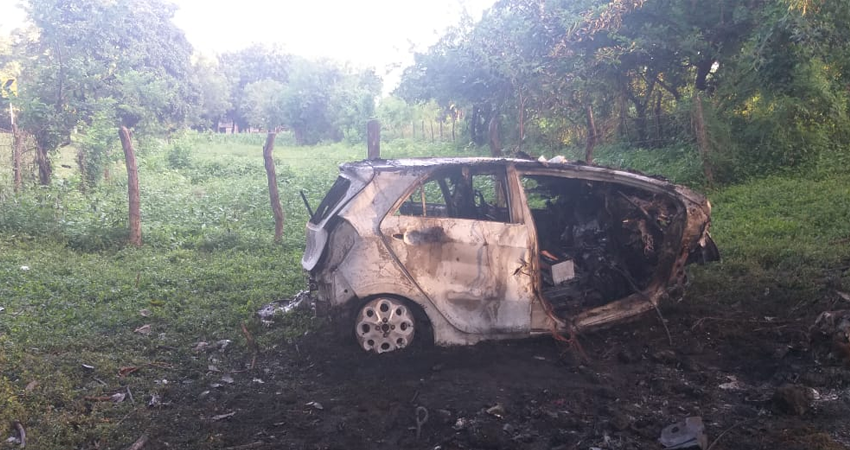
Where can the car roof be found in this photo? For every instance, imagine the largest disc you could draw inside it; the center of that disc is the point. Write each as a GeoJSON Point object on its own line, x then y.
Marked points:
{"type": "Point", "coordinates": [431, 162]}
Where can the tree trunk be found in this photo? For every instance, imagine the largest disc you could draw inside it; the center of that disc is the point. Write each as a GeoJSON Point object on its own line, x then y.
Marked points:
{"type": "Point", "coordinates": [659, 128]}
{"type": "Point", "coordinates": [274, 196]}
{"type": "Point", "coordinates": [496, 152]}
{"type": "Point", "coordinates": [702, 139]}
{"type": "Point", "coordinates": [521, 121]}
{"type": "Point", "coordinates": [45, 171]}
{"type": "Point", "coordinates": [431, 123]}
{"type": "Point", "coordinates": [493, 132]}
{"type": "Point", "coordinates": [299, 135]}
{"type": "Point", "coordinates": [441, 129]}
{"type": "Point", "coordinates": [81, 166]}
{"type": "Point", "coordinates": [473, 126]}
{"type": "Point", "coordinates": [134, 201]}
{"type": "Point", "coordinates": [454, 119]}
{"type": "Point", "coordinates": [423, 130]}
{"type": "Point", "coordinates": [703, 69]}
{"type": "Point", "coordinates": [591, 136]}
{"type": "Point", "coordinates": [640, 123]}
{"type": "Point", "coordinates": [413, 130]}
{"type": "Point", "coordinates": [17, 144]}
{"type": "Point", "coordinates": [107, 175]}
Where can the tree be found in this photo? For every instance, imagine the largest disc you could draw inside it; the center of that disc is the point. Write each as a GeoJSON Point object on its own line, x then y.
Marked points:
{"type": "Point", "coordinates": [262, 104]}
{"type": "Point", "coordinates": [250, 65]}
{"type": "Point", "coordinates": [124, 60]}
{"type": "Point", "coordinates": [216, 93]}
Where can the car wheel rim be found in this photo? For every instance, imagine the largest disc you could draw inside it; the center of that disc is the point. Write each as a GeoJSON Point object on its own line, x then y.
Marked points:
{"type": "Point", "coordinates": [384, 325]}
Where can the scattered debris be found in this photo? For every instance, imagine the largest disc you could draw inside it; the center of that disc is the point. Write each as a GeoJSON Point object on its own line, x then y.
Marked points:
{"type": "Point", "coordinates": [223, 416]}
{"type": "Point", "coordinates": [200, 346]}
{"type": "Point", "coordinates": [793, 399]}
{"type": "Point", "coordinates": [497, 410]}
{"type": "Point", "coordinates": [22, 434]}
{"type": "Point", "coordinates": [315, 405]}
{"type": "Point", "coordinates": [127, 370]}
{"type": "Point", "coordinates": [140, 442]}
{"type": "Point", "coordinates": [25, 268]}
{"type": "Point", "coordinates": [2, 309]}
{"type": "Point", "coordinates": [301, 300]}
{"type": "Point", "coordinates": [145, 312]}
{"type": "Point", "coordinates": [249, 338]}
{"type": "Point", "coordinates": [118, 397]}
{"type": "Point", "coordinates": [843, 295]}
{"type": "Point", "coordinates": [227, 379]}
{"type": "Point", "coordinates": [88, 367]}
{"type": "Point", "coordinates": [461, 423]}
{"type": "Point", "coordinates": [222, 344]}
{"type": "Point", "coordinates": [204, 394]}
{"type": "Point", "coordinates": [685, 434]}
{"type": "Point", "coordinates": [834, 327]}
{"type": "Point", "coordinates": [31, 385]}
{"type": "Point", "coordinates": [732, 385]}
{"type": "Point", "coordinates": [143, 330]}
{"type": "Point", "coordinates": [258, 381]}
{"type": "Point", "coordinates": [257, 444]}
{"type": "Point", "coordinates": [155, 401]}
{"type": "Point", "coordinates": [421, 419]}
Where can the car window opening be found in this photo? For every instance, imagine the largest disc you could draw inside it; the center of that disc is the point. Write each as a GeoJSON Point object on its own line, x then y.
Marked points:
{"type": "Point", "coordinates": [335, 194]}
{"type": "Point", "coordinates": [598, 242]}
{"type": "Point", "coordinates": [460, 193]}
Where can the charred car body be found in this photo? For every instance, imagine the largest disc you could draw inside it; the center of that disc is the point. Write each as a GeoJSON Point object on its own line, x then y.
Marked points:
{"type": "Point", "coordinates": [459, 250]}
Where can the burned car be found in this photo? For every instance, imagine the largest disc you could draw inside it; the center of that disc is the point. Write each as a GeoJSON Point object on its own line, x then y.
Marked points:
{"type": "Point", "coordinates": [459, 250]}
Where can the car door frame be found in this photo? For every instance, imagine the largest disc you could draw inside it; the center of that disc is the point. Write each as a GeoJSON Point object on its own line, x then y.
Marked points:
{"type": "Point", "coordinates": [510, 262]}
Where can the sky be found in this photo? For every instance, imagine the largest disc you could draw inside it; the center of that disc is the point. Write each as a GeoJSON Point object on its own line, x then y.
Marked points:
{"type": "Point", "coordinates": [365, 33]}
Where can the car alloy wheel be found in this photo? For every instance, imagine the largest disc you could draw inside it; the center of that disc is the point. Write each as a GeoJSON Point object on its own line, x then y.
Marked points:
{"type": "Point", "coordinates": [384, 325]}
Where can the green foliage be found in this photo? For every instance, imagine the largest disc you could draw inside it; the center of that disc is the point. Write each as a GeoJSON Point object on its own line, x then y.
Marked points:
{"type": "Point", "coordinates": [122, 61]}
{"type": "Point", "coordinates": [98, 146]}
{"type": "Point", "coordinates": [215, 93]}
{"type": "Point", "coordinates": [180, 152]}
{"type": "Point", "coordinates": [772, 76]}
{"type": "Point", "coordinates": [262, 104]}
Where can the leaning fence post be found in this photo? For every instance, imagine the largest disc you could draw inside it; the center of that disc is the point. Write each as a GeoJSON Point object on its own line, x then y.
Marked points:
{"type": "Point", "coordinates": [373, 139]}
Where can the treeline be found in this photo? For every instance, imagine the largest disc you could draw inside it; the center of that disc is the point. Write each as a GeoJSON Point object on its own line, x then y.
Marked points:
{"type": "Point", "coordinates": [752, 86]}
{"type": "Point", "coordinates": [81, 70]}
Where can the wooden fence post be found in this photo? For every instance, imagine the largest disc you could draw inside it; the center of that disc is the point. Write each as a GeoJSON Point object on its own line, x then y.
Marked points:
{"type": "Point", "coordinates": [274, 196]}
{"type": "Point", "coordinates": [134, 204]}
{"type": "Point", "coordinates": [373, 139]}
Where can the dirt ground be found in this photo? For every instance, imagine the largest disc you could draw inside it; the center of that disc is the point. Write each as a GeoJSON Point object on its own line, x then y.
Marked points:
{"type": "Point", "coordinates": [534, 394]}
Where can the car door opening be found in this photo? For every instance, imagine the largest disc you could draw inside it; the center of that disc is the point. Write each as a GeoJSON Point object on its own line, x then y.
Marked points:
{"type": "Point", "coordinates": [599, 242]}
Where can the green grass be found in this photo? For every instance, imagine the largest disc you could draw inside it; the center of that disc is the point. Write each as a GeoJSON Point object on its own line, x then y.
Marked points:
{"type": "Point", "coordinates": [209, 263]}
{"type": "Point", "coordinates": [73, 293]}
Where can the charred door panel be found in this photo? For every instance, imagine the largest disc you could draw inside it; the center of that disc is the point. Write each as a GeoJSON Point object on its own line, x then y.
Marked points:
{"type": "Point", "coordinates": [471, 270]}
{"type": "Point", "coordinates": [459, 240]}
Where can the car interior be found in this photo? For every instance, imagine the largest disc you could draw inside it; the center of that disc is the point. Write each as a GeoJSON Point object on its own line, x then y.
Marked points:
{"type": "Point", "coordinates": [598, 241]}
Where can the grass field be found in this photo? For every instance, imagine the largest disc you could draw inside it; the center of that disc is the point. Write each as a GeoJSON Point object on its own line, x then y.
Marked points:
{"type": "Point", "coordinates": [72, 294]}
